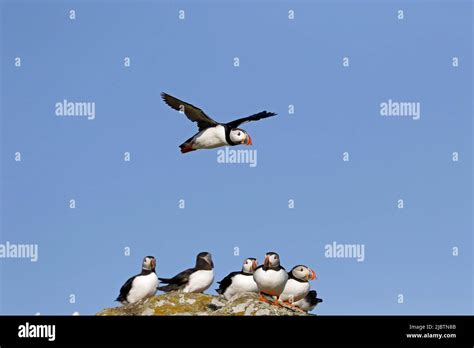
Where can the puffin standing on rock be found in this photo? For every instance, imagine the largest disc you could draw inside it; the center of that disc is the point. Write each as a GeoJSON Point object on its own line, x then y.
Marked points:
{"type": "Point", "coordinates": [238, 282]}
{"type": "Point", "coordinates": [270, 277]}
{"type": "Point", "coordinates": [141, 285]}
{"type": "Point", "coordinates": [308, 302]}
{"type": "Point", "coordinates": [196, 279]}
{"type": "Point", "coordinates": [297, 286]}
{"type": "Point", "coordinates": [212, 134]}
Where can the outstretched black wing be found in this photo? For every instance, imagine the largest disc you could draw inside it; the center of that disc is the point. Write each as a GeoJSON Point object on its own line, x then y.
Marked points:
{"type": "Point", "coordinates": [255, 117]}
{"type": "Point", "coordinates": [192, 113]}
{"type": "Point", "coordinates": [125, 289]}
{"type": "Point", "coordinates": [225, 283]}
{"type": "Point", "coordinates": [177, 282]}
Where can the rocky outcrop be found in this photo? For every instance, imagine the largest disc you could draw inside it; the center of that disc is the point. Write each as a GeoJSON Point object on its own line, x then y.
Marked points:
{"type": "Point", "coordinates": [176, 303]}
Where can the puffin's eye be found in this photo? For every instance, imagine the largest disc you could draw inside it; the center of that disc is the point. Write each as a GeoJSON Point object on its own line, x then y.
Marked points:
{"type": "Point", "coordinates": [301, 269]}
{"type": "Point", "coordinates": [238, 134]}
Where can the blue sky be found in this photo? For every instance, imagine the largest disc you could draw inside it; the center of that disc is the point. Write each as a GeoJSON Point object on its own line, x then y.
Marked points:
{"type": "Point", "coordinates": [337, 109]}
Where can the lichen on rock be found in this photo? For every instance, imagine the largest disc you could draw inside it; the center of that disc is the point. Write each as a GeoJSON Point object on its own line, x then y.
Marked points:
{"type": "Point", "coordinates": [176, 303]}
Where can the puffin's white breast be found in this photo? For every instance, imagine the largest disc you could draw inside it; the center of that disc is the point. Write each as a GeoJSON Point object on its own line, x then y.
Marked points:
{"type": "Point", "coordinates": [304, 305]}
{"type": "Point", "coordinates": [199, 281]}
{"type": "Point", "coordinates": [210, 138]}
{"type": "Point", "coordinates": [241, 283]}
{"type": "Point", "coordinates": [270, 281]}
{"type": "Point", "coordinates": [143, 286]}
{"type": "Point", "coordinates": [294, 290]}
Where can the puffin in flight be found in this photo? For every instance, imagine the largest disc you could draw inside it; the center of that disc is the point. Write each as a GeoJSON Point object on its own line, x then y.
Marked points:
{"type": "Point", "coordinates": [238, 282]}
{"type": "Point", "coordinates": [196, 279]}
{"type": "Point", "coordinates": [141, 285]}
{"type": "Point", "coordinates": [211, 133]}
{"type": "Point", "coordinates": [270, 277]}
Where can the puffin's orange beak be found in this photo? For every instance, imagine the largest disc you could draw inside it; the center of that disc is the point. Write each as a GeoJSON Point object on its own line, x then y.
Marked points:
{"type": "Point", "coordinates": [312, 274]}
{"type": "Point", "coordinates": [266, 263]}
{"type": "Point", "coordinates": [249, 140]}
{"type": "Point", "coordinates": [254, 265]}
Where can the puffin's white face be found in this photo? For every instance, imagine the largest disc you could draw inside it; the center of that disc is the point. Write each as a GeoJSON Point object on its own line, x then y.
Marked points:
{"type": "Point", "coordinates": [271, 260]}
{"type": "Point", "coordinates": [149, 263]}
{"type": "Point", "coordinates": [303, 273]}
{"type": "Point", "coordinates": [240, 136]}
{"type": "Point", "coordinates": [249, 266]}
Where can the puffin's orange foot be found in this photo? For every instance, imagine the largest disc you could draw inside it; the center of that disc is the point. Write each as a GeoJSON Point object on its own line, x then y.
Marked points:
{"type": "Point", "coordinates": [262, 298]}
{"type": "Point", "coordinates": [292, 306]}
{"type": "Point", "coordinates": [276, 302]}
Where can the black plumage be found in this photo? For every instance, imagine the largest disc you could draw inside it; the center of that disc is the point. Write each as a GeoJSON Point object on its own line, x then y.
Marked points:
{"type": "Point", "coordinates": [255, 117]}
{"type": "Point", "coordinates": [274, 268]}
{"type": "Point", "coordinates": [192, 112]}
{"type": "Point", "coordinates": [312, 298]}
{"type": "Point", "coordinates": [125, 289]}
{"type": "Point", "coordinates": [180, 280]}
{"type": "Point", "coordinates": [227, 281]}
{"type": "Point", "coordinates": [203, 121]}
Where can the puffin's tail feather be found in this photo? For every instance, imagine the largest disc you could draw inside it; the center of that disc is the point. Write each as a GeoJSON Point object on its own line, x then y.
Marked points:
{"type": "Point", "coordinates": [219, 291]}
{"type": "Point", "coordinates": [120, 299]}
{"type": "Point", "coordinates": [186, 147]}
{"type": "Point", "coordinates": [168, 288]}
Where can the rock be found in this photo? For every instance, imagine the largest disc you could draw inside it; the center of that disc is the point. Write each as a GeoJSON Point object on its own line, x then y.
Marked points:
{"type": "Point", "coordinates": [176, 303]}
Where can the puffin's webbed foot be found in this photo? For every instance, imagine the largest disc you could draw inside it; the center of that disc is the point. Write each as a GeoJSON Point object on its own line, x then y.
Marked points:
{"type": "Point", "coordinates": [263, 298]}
{"type": "Point", "coordinates": [276, 301]}
{"type": "Point", "coordinates": [289, 305]}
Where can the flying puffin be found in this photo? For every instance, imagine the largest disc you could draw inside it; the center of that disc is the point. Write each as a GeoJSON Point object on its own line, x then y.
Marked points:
{"type": "Point", "coordinates": [141, 285]}
{"type": "Point", "coordinates": [270, 277]}
{"type": "Point", "coordinates": [297, 286]}
{"type": "Point", "coordinates": [212, 134]}
{"type": "Point", "coordinates": [238, 282]}
{"type": "Point", "coordinates": [309, 301]}
{"type": "Point", "coordinates": [195, 279]}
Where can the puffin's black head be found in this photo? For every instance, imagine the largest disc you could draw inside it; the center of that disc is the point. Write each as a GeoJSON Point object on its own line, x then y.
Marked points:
{"type": "Point", "coordinates": [250, 265]}
{"type": "Point", "coordinates": [204, 261]}
{"type": "Point", "coordinates": [272, 260]}
{"type": "Point", "coordinates": [303, 273]}
{"type": "Point", "coordinates": [149, 263]}
{"type": "Point", "coordinates": [239, 136]}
